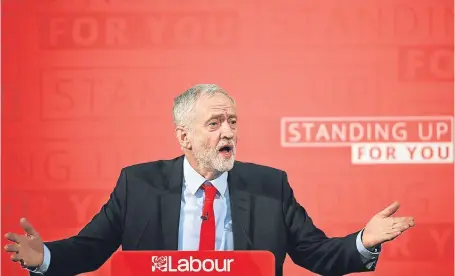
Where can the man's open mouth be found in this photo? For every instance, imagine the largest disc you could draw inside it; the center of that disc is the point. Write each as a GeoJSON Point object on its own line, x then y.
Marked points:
{"type": "Point", "coordinates": [225, 149]}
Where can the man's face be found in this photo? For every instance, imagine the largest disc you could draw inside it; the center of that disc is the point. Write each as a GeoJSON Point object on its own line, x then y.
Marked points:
{"type": "Point", "coordinates": [213, 134]}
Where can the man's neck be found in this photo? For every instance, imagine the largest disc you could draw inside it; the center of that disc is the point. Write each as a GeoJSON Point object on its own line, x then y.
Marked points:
{"type": "Point", "coordinates": [208, 174]}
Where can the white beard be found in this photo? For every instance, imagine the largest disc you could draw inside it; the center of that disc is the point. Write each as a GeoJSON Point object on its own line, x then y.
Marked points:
{"type": "Point", "coordinates": [209, 158]}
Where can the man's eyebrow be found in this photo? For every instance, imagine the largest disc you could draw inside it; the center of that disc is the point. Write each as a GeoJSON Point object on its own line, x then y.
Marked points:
{"type": "Point", "coordinates": [215, 115]}
{"type": "Point", "coordinates": [218, 115]}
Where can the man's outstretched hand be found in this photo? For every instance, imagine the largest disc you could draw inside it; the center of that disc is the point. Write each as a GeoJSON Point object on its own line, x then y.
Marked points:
{"type": "Point", "coordinates": [27, 248]}
{"type": "Point", "coordinates": [383, 227]}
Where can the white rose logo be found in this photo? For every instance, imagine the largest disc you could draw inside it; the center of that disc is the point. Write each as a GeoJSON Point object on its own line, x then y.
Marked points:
{"type": "Point", "coordinates": [159, 263]}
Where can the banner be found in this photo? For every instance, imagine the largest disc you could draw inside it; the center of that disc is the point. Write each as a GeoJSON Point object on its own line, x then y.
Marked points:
{"type": "Point", "coordinates": [232, 263]}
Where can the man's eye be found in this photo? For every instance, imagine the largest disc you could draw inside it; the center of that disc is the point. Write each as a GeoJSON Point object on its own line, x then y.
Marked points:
{"type": "Point", "coordinates": [213, 123]}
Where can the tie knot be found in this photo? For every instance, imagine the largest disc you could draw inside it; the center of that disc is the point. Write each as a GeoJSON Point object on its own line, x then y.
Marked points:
{"type": "Point", "coordinates": [209, 190]}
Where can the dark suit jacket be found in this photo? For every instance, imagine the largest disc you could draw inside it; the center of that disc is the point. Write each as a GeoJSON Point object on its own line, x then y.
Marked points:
{"type": "Point", "coordinates": [143, 214]}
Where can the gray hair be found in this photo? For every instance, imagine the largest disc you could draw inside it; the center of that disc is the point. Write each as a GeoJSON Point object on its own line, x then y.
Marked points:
{"type": "Point", "coordinates": [184, 104]}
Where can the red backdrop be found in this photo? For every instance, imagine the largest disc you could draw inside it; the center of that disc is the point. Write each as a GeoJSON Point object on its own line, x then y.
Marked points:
{"type": "Point", "coordinates": [87, 88]}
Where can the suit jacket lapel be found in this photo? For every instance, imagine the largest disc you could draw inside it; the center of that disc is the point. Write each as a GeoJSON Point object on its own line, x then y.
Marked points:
{"type": "Point", "coordinates": [240, 200]}
{"type": "Point", "coordinates": [170, 205]}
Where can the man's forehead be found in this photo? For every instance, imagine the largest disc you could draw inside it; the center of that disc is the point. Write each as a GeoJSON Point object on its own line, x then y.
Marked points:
{"type": "Point", "coordinates": [221, 112]}
{"type": "Point", "coordinates": [216, 111]}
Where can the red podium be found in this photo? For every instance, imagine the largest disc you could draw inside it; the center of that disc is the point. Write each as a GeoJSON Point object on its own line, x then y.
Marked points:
{"type": "Point", "coordinates": [230, 263]}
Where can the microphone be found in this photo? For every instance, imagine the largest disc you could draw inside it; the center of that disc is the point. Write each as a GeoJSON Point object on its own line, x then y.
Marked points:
{"type": "Point", "coordinates": [206, 217]}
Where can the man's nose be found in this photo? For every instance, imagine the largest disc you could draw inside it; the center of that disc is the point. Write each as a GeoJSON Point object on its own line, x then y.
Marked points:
{"type": "Point", "coordinates": [227, 131]}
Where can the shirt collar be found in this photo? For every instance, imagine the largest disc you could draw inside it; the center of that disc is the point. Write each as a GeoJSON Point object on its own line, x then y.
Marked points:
{"type": "Point", "coordinates": [193, 180]}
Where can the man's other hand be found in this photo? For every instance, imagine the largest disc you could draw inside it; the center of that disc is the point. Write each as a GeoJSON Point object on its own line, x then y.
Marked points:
{"type": "Point", "coordinates": [28, 249]}
{"type": "Point", "coordinates": [383, 227]}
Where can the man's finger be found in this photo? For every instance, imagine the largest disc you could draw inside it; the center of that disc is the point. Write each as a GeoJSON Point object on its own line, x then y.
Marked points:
{"type": "Point", "coordinates": [392, 235]}
{"type": "Point", "coordinates": [28, 228]}
{"type": "Point", "coordinates": [408, 220]}
{"type": "Point", "coordinates": [12, 248]}
{"type": "Point", "coordinates": [390, 210]}
{"type": "Point", "coordinates": [13, 237]}
{"type": "Point", "coordinates": [15, 257]}
{"type": "Point", "coordinates": [403, 226]}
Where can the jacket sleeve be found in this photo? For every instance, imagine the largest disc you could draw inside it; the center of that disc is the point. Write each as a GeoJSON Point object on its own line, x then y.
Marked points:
{"type": "Point", "coordinates": [96, 242]}
{"type": "Point", "coordinates": [310, 248]}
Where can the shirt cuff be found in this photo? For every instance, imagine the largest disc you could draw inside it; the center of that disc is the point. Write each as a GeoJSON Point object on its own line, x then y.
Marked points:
{"type": "Point", "coordinates": [367, 254]}
{"type": "Point", "coordinates": [46, 262]}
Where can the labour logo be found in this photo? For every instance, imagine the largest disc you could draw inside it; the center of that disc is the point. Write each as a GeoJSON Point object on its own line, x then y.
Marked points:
{"type": "Point", "coordinates": [159, 263]}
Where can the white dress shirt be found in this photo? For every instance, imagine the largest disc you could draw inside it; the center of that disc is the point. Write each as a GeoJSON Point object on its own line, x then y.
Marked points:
{"type": "Point", "coordinates": [191, 211]}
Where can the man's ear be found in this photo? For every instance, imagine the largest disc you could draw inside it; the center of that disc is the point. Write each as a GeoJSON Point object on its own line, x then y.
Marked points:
{"type": "Point", "coordinates": [181, 133]}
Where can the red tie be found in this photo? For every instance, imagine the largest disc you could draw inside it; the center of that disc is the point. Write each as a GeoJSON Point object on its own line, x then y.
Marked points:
{"type": "Point", "coordinates": [207, 235]}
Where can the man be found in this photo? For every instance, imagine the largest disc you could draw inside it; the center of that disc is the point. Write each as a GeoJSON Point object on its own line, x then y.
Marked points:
{"type": "Point", "coordinates": [204, 200]}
